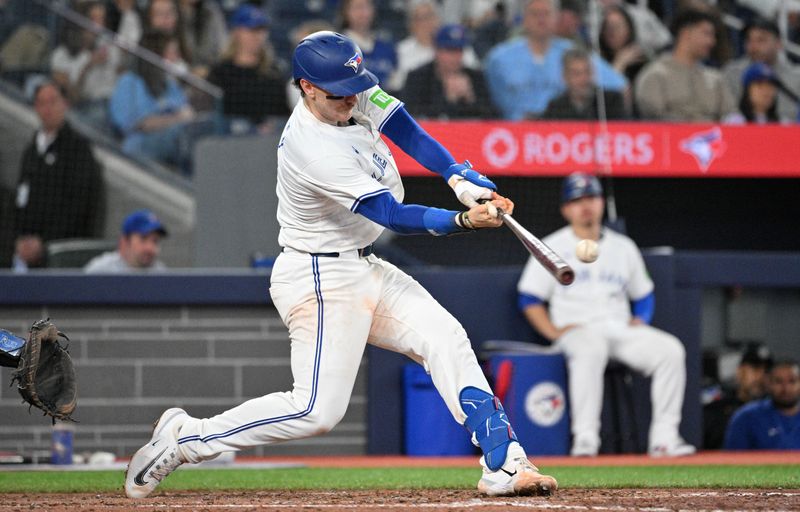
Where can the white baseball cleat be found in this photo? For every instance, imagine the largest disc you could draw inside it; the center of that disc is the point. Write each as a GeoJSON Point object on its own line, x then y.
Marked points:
{"type": "Point", "coordinates": [158, 458]}
{"type": "Point", "coordinates": [517, 477]}
{"type": "Point", "coordinates": [585, 446]}
{"type": "Point", "coordinates": [679, 448]}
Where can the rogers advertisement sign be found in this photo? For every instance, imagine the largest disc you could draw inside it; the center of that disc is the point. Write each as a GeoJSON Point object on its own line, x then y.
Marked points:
{"type": "Point", "coordinates": [620, 149]}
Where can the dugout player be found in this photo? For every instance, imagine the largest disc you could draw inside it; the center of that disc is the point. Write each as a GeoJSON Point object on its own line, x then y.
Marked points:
{"type": "Point", "coordinates": [338, 188]}
{"type": "Point", "coordinates": [774, 422]}
{"type": "Point", "coordinates": [605, 314]}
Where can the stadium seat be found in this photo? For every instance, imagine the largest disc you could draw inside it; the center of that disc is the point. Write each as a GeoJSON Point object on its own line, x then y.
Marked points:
{"type": "Point", "coordinates": [75, 252]}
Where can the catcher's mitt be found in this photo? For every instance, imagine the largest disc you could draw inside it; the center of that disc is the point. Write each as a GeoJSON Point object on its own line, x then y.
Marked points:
{"type": "Point", "coordinates": [45, 374]}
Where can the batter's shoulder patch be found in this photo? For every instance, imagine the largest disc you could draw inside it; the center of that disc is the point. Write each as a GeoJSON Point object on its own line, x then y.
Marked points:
{"type": "Point", "coordinates": [381, 99]}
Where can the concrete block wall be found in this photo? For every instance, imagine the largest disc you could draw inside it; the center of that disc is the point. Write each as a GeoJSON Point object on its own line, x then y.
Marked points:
{"type": "Point", "coordinates": [132, 363]}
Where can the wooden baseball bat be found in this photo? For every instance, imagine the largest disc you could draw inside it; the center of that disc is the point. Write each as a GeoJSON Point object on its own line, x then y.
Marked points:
{"type": "Point", "coordinates": [551, 261]}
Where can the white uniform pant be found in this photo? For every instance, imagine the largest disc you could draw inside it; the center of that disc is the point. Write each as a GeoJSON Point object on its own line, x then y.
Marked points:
{"type": "Point", "coordinates": [333, 307]}
{"type": "Point", "coordinates": [648, 350]}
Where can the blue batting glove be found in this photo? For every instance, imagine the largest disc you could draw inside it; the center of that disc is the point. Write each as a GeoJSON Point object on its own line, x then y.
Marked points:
{"type": "Point", "coordinates": [465, 171]}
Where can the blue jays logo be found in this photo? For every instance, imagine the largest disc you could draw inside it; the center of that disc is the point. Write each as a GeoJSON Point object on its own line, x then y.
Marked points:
{"type": "Point", "coordinates": [545, 403]}
{"type": "Point", "coordinates": [354, 62]}
{"type": "Point", "coordinates": [705, 147]}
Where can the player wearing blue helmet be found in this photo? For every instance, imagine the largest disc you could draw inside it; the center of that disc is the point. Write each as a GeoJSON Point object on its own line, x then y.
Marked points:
{"type": "Point", "coordinates": [338, 188]}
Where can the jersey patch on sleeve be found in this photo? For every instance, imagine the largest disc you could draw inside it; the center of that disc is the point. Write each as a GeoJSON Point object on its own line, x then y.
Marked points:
{"type": "Point", "coordinates": [381, 99]}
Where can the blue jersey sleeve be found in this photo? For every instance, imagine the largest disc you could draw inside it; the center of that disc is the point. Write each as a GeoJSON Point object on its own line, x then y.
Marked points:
{"type": "Point", "coordinates": [407, 219]}
{"type": "Point", "coordinates": [645, 307]}
{"type": "Point", "coordinates": [406, 133]}
{"type": "Point", "coordinates": [409, 136]}
{"type": "Point", "coordinates": [525, 299]}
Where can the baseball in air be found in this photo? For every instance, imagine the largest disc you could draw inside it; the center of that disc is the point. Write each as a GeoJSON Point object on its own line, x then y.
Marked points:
{"type": "Point", "coordinates": [586, 251]}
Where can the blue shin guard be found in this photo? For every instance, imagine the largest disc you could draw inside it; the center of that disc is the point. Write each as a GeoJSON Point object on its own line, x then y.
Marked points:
{"type": "Point", "coordinates": [488, 424]}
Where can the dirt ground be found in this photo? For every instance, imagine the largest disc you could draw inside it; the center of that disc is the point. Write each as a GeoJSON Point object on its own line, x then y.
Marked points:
{"type": "Point", "coordinates": [651, 500]}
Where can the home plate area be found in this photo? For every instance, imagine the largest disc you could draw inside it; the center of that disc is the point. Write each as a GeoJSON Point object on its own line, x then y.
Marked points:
{"type": "Point", "coordinates": [387, 500]}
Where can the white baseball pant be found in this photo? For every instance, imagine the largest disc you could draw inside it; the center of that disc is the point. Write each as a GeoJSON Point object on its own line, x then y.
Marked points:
{"type": "Point", "coordinates": [648, 350]}
{"type": "Point", "coordinates": [333, 307]}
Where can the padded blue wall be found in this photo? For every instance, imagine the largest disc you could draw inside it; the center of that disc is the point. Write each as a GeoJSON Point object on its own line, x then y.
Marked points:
{"type": "Point", "coordinates": [483, 299]}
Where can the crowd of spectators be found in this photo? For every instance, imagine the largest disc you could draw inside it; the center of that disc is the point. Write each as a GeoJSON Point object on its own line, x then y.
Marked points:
{"type": "Point", "coordinates": [447, 59]}
{"type": "Point", "coordinates": [131, 69]}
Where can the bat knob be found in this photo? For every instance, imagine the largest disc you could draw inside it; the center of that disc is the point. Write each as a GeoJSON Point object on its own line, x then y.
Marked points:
{"type": "Point", "coordinates": [566, 276]}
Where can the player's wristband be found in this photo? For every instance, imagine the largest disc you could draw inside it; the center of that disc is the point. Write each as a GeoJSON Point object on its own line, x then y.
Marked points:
{"type": "Point", "coordinates": [462, 219]}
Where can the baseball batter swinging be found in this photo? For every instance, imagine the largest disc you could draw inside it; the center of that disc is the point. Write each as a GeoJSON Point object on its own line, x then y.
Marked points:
{"type": "Point", "coordinates": [338, 188]}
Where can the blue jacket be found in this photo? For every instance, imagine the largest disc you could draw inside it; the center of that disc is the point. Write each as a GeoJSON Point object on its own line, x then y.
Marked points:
{"type": "Point", "coordinates": [759, 426]}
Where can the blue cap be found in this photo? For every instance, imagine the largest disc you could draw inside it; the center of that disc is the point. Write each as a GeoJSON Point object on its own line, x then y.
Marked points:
{"type": "Point", "coordinates": [142, 222]}
{"type": "Point", "coordinates": [453, 37]}
{"type": "Point", "coordinates": [249, 16]}
{"type": "Point", "coordinates": [758, 72]}
{"type": "Point", "coordinates": [578, 185]}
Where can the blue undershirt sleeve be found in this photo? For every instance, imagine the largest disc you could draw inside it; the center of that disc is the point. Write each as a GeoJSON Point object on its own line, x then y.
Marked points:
{"type": "Point", "coordinates": [524, 300]}
{"type": "Point", "coordinates": [409, 136]}
{"type": "Point", "coordinates": [408, 219]}
{"type": "Point", "coordinates": [644, 307]}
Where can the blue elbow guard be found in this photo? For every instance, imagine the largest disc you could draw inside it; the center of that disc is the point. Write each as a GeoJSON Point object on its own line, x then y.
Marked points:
{"type": "Point", "coordinates": [466, 171]}
{"type": "Point", "coordinates": [488, 424]}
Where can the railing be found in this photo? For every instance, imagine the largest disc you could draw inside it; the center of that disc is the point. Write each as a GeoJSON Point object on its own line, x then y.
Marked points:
{"type": "Point", "coordinates": [61, 9]}
{"type": "Point", "coordinates": [93, 113]}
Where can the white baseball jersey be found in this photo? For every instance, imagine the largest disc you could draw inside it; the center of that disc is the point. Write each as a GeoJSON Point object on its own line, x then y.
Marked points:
{"type": "Point", "coordinates": [602, 290]}
{"type": "Point", "coordinates": [321, 184]}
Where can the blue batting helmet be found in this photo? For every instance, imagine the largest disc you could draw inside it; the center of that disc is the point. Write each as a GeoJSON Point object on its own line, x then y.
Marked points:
{"type": "Point", "coordinates": [579, 185]}
{"type": "Point", "coordinates": [332, 62]}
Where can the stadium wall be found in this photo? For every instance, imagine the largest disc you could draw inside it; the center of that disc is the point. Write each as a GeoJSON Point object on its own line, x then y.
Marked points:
{"type": "Point", "coordinates": [143, 343]}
